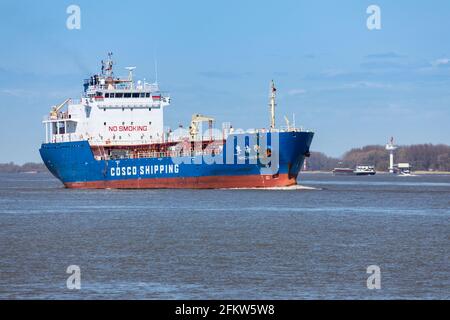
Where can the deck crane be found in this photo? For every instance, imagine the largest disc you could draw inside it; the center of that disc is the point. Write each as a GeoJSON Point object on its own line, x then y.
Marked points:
{"type": "Point", "coordinates": [55, 109]}
{"type": "Point", "coordinates": [287, 123]}
{"type": "Point", "coordinates": [196, 121]}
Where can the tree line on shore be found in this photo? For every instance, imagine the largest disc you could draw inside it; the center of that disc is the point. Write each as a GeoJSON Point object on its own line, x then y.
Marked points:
{"type": "Point", "coordinates": [27, 167]}
{"type": "Point", "coordinates": [426, 157]}
{"type": "Point", "coordinates": [420, 156]}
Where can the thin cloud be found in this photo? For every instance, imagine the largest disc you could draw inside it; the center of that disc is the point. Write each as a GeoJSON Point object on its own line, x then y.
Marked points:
{"type": "Point", "coordinates": [224, 74]}
{"type": "Point", "coordinates": [13, 92]}
{"type": "Point", "coordinates": [296, 92]}
{"type": "Point", "coordinates": [385, 55]}
{"type": "Point", "coordinates": [339, 75]}
{"type": "Point", "coordinates": [281, 73]}
{"type": "Point", "coordinates": [440, 62]}
{"type": "Point", "coordinates": [310, 56]}
{"type": "Point", "coordinates": [34, 92]}
{"type": "Point", "coordinates": [380, 65]}
{"type": "Point", "coordinates": [368, 85]}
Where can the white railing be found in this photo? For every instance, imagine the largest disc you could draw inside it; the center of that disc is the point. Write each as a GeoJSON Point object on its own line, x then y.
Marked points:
{"type": "Point", "coordinates": [75, 101]}
{"type": "Point", "coordinates": [218, 137]}
{"type": "Point", "coordinates": [61, 116]}
{"type": "Point", "coordinates": [65, 137]}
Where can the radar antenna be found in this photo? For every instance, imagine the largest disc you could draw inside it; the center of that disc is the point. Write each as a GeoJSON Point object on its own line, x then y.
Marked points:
{"type": "Point", "coordinates": [130, 74]}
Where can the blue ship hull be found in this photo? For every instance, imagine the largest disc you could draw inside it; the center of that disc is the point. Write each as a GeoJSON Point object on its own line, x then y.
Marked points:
{"type": "Point", "coordinates": [74, 164]}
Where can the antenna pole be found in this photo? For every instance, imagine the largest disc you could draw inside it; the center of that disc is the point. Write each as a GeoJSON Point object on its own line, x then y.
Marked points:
{"type": "Point", "coordinates": [272, 104]}
{"type": "Point", "coordinates": [107, 67]}
{"type": "Point", "coordinates": [156, 71]}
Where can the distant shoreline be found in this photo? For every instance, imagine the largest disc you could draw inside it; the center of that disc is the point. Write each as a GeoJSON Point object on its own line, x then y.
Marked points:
{"type": "Point", "coordinates": [430, 172]}
{"type": "Point", "coordinates": [28, 168]}
{"type": "Point", "coordinates": [33, 168]}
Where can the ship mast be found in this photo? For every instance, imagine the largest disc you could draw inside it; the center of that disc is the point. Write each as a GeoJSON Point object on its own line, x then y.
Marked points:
{"type": "Point", "coordinates": [272, 104]}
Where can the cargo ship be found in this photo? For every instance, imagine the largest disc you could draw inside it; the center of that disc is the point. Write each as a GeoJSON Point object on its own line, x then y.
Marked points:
{"type": "Point", "coordinates": [114, 136]}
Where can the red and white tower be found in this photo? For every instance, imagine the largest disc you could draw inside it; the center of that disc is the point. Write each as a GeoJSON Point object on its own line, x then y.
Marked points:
{"type": "Point", "coordinates": [391, 147]}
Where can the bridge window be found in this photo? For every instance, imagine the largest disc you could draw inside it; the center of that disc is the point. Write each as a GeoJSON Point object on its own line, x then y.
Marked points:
{"type": "Point", "coordinates": [147, 94]}
{"type": "Point", "coordinates": [136, 95]}
{"type": "Point", "coordinates": [127, 95]}
{"type": "Point", "coordinates": [119, 95]}
{"type": "Point", "coordinates": [111, 95]}
{"type": "Point", "coordinates": [142, 95]}
{"type": "Point", "coordinates": [106, 95]}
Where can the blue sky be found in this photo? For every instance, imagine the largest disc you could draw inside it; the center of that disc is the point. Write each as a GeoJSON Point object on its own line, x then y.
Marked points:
{"type": "Point", "coordinates": [350, 85]}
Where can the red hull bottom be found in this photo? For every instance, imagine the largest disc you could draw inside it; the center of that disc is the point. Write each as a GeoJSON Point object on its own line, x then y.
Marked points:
{"type": "Point", "coordinates": [211, 182]}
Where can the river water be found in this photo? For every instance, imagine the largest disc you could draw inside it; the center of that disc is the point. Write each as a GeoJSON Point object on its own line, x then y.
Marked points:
{"type": "Point", "coordinates": [295, 243]}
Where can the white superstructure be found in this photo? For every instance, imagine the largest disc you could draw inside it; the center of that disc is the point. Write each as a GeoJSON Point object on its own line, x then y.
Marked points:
{"type": "Point", "coordinates": [111, 111]}
{"type": "Point", "coordinates": [364, 170]}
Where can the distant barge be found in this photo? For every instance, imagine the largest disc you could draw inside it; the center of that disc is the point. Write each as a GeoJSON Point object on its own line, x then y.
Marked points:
{"type": "Point", "coordinates": [359, 171]}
